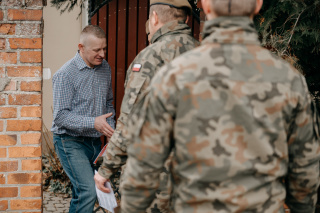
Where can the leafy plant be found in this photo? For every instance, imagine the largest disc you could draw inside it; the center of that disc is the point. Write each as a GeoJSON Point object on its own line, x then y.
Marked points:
{"type": "Point", "coordinates": [290, 28]}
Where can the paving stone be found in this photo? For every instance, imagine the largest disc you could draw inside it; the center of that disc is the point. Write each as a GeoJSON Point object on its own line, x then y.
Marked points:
{"type": "Point", "coordinates": [57, 203]}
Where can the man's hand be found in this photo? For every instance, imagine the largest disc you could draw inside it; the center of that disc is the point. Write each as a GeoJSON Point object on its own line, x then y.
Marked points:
{"type": "Point", "coordinates": [101, 182]}
{"type": "Point", "coordinates": [102, 126]}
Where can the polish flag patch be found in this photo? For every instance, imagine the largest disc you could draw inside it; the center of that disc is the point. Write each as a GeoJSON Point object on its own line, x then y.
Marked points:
{"type": "Point", "coordinates": [136, 67]}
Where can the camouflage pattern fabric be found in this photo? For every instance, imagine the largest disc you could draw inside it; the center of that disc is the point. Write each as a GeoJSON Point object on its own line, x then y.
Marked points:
{"type": "Point", "coordinates": [239, 122]}
{"type": "Point", "coordinates": [171, 40]}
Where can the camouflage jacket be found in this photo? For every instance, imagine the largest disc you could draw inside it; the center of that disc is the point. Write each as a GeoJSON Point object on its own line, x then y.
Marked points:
{"type": "Point", "coordinates": [240, 123]}
{"type": "Point", "coordinates": [170, 41]}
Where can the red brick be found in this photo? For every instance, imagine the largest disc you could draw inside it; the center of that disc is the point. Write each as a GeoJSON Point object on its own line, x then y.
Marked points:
{"type": "Point", "coordinates": [23, 125]}
{"type": "Point", "coordinates": [1, 126]}
{"type": "Point", "coordinates": [3, 203]}
{"type": "Point", "coordinates": [8, 192]}
{"type": "Point", "coordinates": [25, 204]}
{"type": "Point", "coordinates": [23, 71]}
{"type": "Point", "coordinates": [24, 99]}
{"type": "Point", "coordinates": [3, 152]}
{"type": "Point", "coordinates": [33, 111]}
{"type": "Point", "coordinates": [2, 99]}
{"type": "Point", "coordinates": [24, 14]}
{"type": "Point", "coordinates": [30, 191]}
{"type": "Point", "coordinates": [8, 112]}
{"type": "Point", "coordinates": [8, 166]}
{"type": "Point", "coordinates": [8, 140]}
{"type": "Point", "coordinates": [24, 178]}
{"type": "Point", "coordinates": [22, 152]}
{"type": "Point", "coordinates": [31, 57]}
{"type": "Point", "coordinates": [7, 29]}
{"type": "Point", "coordinates": [31, 165]}
{"type": "Point", "coordinates": [25, 43]}
{"type": "Point", "coordinates": [2, 43]}
{"type": "Point", "coordinates": [1, 18]}
{"type": "Point", "coordinates": [31, 86]}
{"type": "Point", "coordinates": [12, 86]}
{"type": "Point", "coordinates": [2, 72]}
{"type": "Point", "coordinates": [8, 58]}
{"type": "Point", "coordinates": [2, 179]}
{"type": "Point", "coordinates": [31, 138]}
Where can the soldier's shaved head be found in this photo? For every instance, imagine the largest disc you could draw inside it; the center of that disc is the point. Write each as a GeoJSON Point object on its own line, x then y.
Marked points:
{"type": "Point", "coordinates": [234, 7]}
{"type": "Point", "coordinates": [167, 13]}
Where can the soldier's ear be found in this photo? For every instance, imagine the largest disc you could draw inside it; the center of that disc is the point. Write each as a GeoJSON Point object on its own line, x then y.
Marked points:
{"type": "Point", "coordinates": [155, 18]}
{"type": "Point", "coordinates": [187, 19]}
{"type": "Point", "coordinates": [258, 6]}
{"type": "Point", "coordinates": [208, 9]}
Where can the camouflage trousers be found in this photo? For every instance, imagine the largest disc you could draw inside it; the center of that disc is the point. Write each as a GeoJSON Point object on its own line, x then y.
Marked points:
{"type": "Point", "coordinates": [161, 203]}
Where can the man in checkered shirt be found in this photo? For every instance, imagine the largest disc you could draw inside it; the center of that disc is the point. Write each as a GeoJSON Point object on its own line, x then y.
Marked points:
{"type": "Point", "coordinates": [83, 111]}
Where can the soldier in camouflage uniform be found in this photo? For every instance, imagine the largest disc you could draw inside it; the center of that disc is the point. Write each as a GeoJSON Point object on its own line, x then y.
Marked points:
{"type": "Point", "coordinates": [170, 37]}
{"type": "Point", "coordinates": [238, 119]}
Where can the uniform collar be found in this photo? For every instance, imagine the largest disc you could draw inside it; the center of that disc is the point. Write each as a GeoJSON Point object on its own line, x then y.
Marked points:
{"type": "Point", "coordinates": [234, 29]}
{"type": "Point", "coordinates": [172, 27]}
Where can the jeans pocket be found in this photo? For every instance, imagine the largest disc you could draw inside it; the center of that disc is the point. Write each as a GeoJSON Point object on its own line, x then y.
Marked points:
{"type": "Point", "coordinates": [71, 142]}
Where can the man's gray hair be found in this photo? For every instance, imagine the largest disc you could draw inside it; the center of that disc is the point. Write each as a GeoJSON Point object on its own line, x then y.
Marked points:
{"type": "Point", "coordinates": [167, 13]}
{"type": "Point", "coordinates": [234, 7]}
{"type": "Point", "coordinates": [92, 30]}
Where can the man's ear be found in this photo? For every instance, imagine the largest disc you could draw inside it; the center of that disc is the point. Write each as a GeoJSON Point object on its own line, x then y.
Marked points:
{"type": "Point", "coordinates": [187, 19]}
{"type": "Point", "coordinates": [155, 18]}
{"type": "Point", "coordinates": [258, 6]}
{"type": "Point", "coordinates": [80, 46]}
{"type": "Point", "coordinates": [206, 6]}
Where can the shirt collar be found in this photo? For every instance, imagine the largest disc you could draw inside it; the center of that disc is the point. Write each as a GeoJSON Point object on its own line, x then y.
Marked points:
{"type": "Point", "coordinates": [81, 64]}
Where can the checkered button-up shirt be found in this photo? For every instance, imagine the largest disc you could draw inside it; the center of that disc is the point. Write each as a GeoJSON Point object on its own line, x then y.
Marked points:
{"type": "Point", "coordinates": [80, 94]}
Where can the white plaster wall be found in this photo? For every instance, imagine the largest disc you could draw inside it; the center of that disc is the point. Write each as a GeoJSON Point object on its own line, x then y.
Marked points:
{"type": "Point", "coordinates": [60, 43]}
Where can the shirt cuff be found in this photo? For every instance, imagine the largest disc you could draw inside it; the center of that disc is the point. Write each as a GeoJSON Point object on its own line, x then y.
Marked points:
{"type": "Point", "coordinates": [88, 123]}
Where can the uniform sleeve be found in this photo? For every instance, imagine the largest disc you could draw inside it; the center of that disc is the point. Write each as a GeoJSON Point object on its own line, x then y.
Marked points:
{"type": "Point", "coordinates": [63, 93]}
{"type": "Point", "coordinates": [116, 155]}
{"type": "Point", "coordinates": [303, 171]}
{"type": "Point", "coordinates": [116, 152]}
{"type": "Point", "coordinates": [150, 134]}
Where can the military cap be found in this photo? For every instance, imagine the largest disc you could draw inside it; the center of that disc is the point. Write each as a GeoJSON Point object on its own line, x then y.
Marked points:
{"type": "Point", "coordinates": [172, 3]}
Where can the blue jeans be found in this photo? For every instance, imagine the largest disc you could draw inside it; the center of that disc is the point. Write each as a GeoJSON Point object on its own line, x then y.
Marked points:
{"type": "Point", "coordinates": [76, 155]}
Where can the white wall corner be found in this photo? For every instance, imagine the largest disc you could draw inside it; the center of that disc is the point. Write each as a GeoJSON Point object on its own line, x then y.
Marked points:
{"type": "Point", "coordinates": [85, 14]}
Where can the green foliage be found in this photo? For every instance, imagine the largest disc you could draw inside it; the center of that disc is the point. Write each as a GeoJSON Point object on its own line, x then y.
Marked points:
{"type": "Point", "coordinates": [291, 29]}
{"type": "Point", "coordinates": [67, 5]}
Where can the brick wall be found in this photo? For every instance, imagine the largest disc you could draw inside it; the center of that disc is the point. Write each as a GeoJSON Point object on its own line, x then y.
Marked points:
{"type": "Point", "coordinates": [20, 105]}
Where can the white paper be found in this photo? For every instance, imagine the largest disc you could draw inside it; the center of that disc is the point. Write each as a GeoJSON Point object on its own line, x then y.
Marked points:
{"type": "Point", "coordinates": [107, 200]}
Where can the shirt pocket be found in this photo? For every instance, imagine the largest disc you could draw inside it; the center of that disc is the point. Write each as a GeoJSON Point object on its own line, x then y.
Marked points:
{"type": "Point", "coordinates": [134, 88]}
